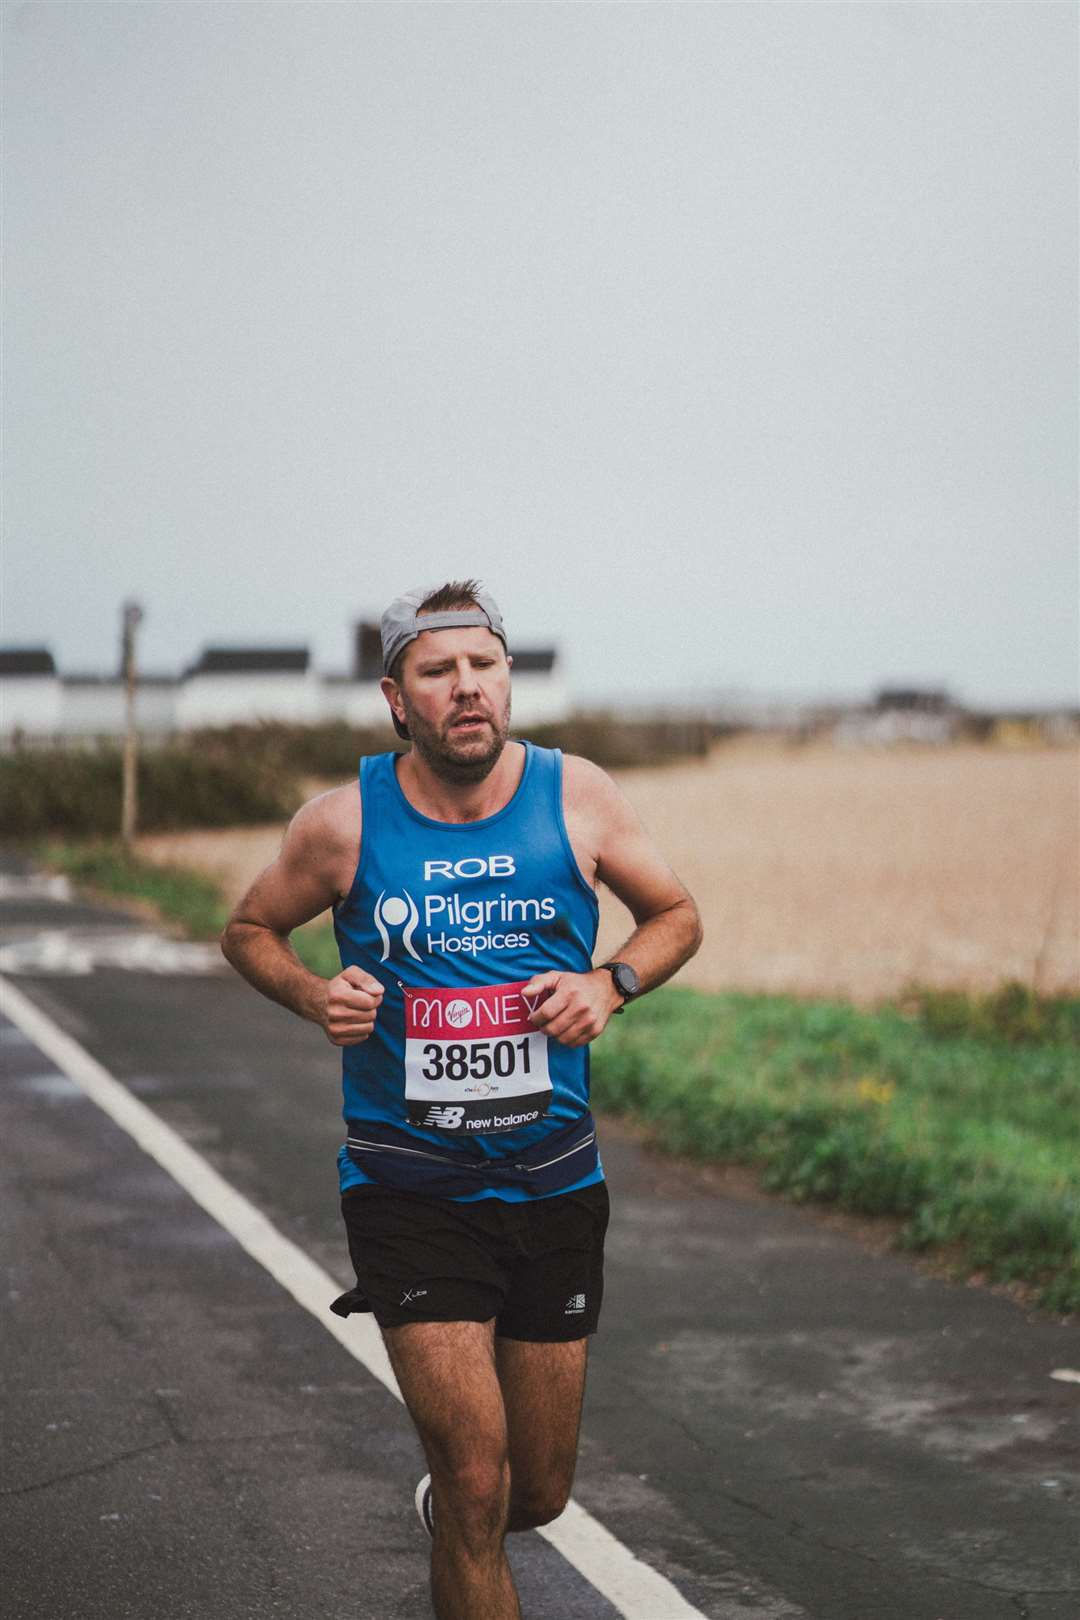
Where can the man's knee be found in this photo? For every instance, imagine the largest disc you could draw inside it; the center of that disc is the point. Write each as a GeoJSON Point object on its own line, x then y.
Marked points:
{"type": "Point", "coordinates": [536, 1505]}
{"type": "Point", "coordinates": [474, 1492]}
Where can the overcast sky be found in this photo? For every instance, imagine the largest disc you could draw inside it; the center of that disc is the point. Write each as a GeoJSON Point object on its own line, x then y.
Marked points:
{"type": "Point", "coordinates": [731, 345]}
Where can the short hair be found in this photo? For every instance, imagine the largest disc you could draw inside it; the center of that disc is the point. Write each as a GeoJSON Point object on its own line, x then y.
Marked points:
{"type": "Point", "coordinates": [456, 593]}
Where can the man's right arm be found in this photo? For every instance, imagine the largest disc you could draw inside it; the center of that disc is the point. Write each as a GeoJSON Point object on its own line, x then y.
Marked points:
{"type": "Point", "coordinates": [313, 871]}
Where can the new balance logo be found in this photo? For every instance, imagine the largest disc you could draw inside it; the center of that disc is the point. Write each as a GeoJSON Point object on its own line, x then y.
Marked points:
{"type": "Point", "coordinates": [444, 1119]}
{"type": "Point", "coordinates": [575, 1305]}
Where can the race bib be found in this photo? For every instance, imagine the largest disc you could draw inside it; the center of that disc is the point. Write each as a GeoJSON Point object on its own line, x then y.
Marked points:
{"type": "Point", "coordinates": [473, 1062]}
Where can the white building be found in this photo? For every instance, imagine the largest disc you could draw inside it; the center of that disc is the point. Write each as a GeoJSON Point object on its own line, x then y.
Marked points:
{"type": "Point", "coordinates": [96, 706]}
{"type": "Point", "coordinates": [234, 685]}
{"type": "Point", "coordinates": [30, 693]}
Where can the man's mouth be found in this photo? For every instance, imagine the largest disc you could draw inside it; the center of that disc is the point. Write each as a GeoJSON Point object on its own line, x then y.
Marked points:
{"type": "Point", "coordinates": [469, 722]}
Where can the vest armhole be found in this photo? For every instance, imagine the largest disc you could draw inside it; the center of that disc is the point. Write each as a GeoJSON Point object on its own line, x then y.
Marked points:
{"type": "Point", "coordinates": [560, 822]}
{"type": "Point", "coordinates": [363, 770]}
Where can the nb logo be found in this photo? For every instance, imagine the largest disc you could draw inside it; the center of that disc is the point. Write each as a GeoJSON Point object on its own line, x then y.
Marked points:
{"type": "Point", "coordinates": [391, 911]}
{"type": "Point", "coordinates": [447, 1119]}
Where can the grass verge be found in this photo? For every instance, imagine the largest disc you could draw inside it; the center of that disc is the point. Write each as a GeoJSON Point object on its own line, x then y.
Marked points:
{"type": "Point", "coordinates": [178, 895]}
{"type": "Point", "coordinates": [959, 1114]}
{"type": "Point", "coordinates": [966, 1126]}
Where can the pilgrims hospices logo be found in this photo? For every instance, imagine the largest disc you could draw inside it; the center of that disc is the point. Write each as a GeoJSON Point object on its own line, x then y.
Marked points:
{"type": "Point", "coordinates": [393, 912]}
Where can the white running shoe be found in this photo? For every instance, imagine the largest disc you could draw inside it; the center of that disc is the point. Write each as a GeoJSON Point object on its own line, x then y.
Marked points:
{"type": "Point", "coordinates": [423, 1505]}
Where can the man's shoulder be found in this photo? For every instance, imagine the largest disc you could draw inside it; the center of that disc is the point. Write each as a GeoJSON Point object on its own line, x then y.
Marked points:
{"type": "Point", "coordinates": [586, 782]}
{"type": "Point", "coordinates": [333, 814]}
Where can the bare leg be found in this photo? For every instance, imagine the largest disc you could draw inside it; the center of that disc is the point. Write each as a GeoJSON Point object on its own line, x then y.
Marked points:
{"type": "Point", "coordinates": [542, 1387]}
{"type": "Point", "coordinates": [447, 1375]}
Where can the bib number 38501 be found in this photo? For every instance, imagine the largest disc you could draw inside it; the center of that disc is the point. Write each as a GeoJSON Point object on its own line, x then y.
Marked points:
{"type": "Point", "coordinates": [473, 1062]}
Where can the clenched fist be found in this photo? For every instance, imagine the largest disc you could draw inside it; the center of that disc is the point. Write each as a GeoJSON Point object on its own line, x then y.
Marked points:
{"type": "Point", "coordinates": [352, 1002]}
{"type": "Point", "coordinates": [576, 1007]}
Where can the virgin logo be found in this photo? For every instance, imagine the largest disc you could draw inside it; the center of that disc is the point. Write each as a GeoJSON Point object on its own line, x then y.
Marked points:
{"type": "Point", "coordinates": [459, 1013]}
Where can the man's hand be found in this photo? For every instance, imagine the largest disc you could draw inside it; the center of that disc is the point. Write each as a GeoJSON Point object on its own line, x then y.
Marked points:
{"type": "Point", "coordinates": [352, 1002]}
{"type": "Point", "coordinates": [576, 1006]}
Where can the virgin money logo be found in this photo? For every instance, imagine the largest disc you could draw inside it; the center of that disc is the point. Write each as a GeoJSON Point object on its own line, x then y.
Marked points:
{"type": "Point", "coordinates": [394, 912]}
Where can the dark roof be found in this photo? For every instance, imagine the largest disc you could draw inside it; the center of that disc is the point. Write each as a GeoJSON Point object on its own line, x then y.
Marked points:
{"type": "Point", "coordinates": [251, 661]}
{"type": "Point", "coordinates": [925, 700]}
{"type": "Point", "coordinates": [81, 678]}
{"type": "Point", "coordinates": [26, 661]}
{"type": "Point", "coordinates": [532, 660]}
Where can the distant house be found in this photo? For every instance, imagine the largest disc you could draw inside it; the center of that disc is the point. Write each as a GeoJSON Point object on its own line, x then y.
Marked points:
{"type": "Point", "coordinates": [231, 685]}
{"type": "Point", "coordinates": [29, 692]}
{"type": "Point", "coordinates": [901, 714]}
{"type": "Point", "coordinates": [96, 705]}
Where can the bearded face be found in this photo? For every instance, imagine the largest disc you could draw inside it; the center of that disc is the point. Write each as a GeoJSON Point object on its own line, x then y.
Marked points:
{"type": "Point", "coordinates": [453, 694]}
{"type": "Point", "coordinates": [465, 746]}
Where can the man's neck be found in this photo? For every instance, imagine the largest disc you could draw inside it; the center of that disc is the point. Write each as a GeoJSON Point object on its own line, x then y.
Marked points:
{"type": "Point", "coordinates": [461, 802]}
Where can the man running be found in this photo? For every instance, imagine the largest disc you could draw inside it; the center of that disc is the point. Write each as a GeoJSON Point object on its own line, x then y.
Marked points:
{"type": "Point", "coordinates": [462, 876]}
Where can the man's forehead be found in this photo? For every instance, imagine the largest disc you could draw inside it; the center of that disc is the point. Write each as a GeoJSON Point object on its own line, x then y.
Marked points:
{"type": "Point", "coordinates": [452, 640]}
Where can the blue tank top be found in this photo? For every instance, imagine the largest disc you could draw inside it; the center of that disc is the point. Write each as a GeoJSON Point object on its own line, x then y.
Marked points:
{"type": "Point", "coordinates": [454, 919]}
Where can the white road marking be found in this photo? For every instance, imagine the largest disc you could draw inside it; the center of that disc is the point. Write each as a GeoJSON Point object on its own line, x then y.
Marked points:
{"type": "Point", "coordinates": [635, 1589]}
{"type": "Point", "coordinates": [73, 952]}
{"type": "Point", "coordinates": [35, 886]}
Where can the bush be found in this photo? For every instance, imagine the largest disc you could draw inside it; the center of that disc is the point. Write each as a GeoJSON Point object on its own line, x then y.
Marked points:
{"type": "Point", "coordinates": [1012, 1013]}
{"type": "Point", "coordinates": [334, 748]}
{"type": "Point", "coordinates": [330, 749]}
{"type": "Point", "coordinates": [613, 742]}
{"type": "Point", "coordinates": [78, 791]}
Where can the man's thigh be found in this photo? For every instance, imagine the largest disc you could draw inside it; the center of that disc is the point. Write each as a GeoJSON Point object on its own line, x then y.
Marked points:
{"type": "Point", "coordinates": [447, 1375]}
{"type": "Point", "coordinates": [543, 1386]}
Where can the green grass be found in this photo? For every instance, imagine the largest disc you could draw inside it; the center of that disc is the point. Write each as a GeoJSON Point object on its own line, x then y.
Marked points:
{"type": "Point", "coordinates": [967, 1128]}
{"type": "Point", "coordinates": [316, 947]}
{"type": "Point", "coordinates": [959, 1114]}
{"type": "Point", "coordinates": [180, 896]}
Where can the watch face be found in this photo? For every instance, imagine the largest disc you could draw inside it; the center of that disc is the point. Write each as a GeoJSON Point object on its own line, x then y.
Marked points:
{"type": "Point", "coordinates": [627, 982]}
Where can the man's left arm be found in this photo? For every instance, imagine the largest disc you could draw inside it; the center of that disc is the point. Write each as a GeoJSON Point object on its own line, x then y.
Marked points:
{"type": "Point", "coordinates": [668, 930]}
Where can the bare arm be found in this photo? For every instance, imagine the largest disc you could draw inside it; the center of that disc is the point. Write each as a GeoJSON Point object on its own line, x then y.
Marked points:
{"type": "Point", "coordinates": [312, 872]}
{"type": "Point", "coordinates": [608, 835]}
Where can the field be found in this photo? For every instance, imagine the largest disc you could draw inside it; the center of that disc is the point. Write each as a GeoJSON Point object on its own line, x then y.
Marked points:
{"type": "Point", "coordinates": [829, 872]}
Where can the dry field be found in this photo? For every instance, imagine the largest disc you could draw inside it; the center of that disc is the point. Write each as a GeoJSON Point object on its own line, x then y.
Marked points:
{"type": "Point", "coordinates": [848, 873]}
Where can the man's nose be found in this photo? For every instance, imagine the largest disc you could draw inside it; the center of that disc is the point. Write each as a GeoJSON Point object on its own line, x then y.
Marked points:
{"type": "Point", "coordinates": [465, 679]}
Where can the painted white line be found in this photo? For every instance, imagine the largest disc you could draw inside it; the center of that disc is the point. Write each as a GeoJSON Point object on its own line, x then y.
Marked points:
{"type": "Point", "coordinates": [635, 1589]}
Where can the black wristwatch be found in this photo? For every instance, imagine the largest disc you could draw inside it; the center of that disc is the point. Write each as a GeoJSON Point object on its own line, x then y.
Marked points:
{"type": "Point", "coordinates": [626, 980]}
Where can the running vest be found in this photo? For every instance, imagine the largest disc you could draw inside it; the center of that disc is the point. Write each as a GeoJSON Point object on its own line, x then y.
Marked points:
{"type": "Point", "coordinates": [455, 1093]}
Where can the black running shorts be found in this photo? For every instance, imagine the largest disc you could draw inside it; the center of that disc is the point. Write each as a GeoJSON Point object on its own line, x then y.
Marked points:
{"type": "Point", "coordinates": [536, 1267]}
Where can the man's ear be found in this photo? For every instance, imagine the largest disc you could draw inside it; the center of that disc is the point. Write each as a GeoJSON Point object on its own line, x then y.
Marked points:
{"type": "Point", "coordinates": [391, 691]}
{"type": "Point", "coordinates": [509, 661]}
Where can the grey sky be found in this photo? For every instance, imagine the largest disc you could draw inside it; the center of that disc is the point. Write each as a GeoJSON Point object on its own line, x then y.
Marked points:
{"type": "Point", "coordinates": [730, 344]}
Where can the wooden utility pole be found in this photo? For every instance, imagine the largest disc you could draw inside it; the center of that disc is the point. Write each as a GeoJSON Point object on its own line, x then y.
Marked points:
{"type": "Point", "coordinates": [133, 614]}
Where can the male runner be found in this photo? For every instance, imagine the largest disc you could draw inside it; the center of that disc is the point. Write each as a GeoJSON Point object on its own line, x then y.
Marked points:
{"type": "Point", "coordinates": [462, 877]}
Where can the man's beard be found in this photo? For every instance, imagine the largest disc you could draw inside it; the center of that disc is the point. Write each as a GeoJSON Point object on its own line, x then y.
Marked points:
{"type": "Point", "coordinates": [461, 762]}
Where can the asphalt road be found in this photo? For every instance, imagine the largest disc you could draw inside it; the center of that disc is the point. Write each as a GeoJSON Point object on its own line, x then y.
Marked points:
{"type": "Point", "coordinates": [783, 1423]}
